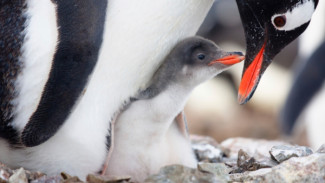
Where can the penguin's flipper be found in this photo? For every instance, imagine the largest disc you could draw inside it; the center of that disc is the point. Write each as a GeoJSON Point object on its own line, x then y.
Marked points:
{"type": "Point", "coordinates": [81, 25]}
{"type": "Point", "coordinates": [182, 124]}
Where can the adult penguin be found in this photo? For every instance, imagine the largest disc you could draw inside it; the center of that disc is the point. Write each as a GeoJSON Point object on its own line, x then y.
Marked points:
{"type": "Point", "coordinates": [269, 26]}
{"type": "Point", "coordinates": [68, 66]}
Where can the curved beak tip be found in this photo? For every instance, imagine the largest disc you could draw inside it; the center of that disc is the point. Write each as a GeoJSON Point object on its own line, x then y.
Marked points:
{"type": "Point", "coordinates": [251, 76]}
{"type": "Point", "coordinates": [242, 99]}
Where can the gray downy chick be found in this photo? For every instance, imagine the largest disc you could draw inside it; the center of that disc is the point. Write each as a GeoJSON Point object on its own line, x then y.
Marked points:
{"type": "Point", "coordinates": [150, 133]}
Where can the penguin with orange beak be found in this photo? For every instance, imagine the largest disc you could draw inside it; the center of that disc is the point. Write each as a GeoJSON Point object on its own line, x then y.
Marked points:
{"type": "Point", "coordinates": [269, 27]}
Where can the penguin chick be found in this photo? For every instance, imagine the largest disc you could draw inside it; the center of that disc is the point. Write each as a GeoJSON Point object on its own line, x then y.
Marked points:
{"type": "Point", "coordinates": [147, 135]}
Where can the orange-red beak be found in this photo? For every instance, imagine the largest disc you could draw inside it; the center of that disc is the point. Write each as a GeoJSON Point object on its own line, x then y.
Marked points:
{"type": "Point", "coordinates": [229, 59]}
{"type": "Point", "coordinates": [251, 77]}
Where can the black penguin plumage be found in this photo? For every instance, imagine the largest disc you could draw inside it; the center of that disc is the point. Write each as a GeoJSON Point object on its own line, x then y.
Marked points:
{"type": "Point", "coordinates": [12, 23]}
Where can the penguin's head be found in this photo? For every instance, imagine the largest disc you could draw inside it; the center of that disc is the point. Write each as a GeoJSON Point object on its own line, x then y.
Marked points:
{"type": "Point", "coordinates": [201, 59]}
{"type": "Point", "coordinates": [269, 26]}
{"type": "Point", "coordinates": [191, 62]}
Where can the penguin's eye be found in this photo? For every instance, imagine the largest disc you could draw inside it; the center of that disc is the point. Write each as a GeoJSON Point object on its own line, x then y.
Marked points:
{"type": "Point", "coordinates": [280, 21]}
{"type": "Point", "coordinates": [298, 15]}
{"type": "Point", "coordinates": [201, 56]}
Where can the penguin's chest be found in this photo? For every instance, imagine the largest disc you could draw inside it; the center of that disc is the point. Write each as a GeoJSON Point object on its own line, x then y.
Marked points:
{"type": "Point", "coordinates": [147, 138]}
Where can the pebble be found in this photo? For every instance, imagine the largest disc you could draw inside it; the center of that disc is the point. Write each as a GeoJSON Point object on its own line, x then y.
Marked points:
{"type": "Point", "coordinates": [179, 173]}
{"type": "Point", "coordinates": [218, 169]}
{"type": "Point", "coordinates": [91, 178]}
{"type": "Point", "coordinates": [284, 152]}
{"type": "Point", "coordinates": [321, 149]}
{"type": "Point", "coordinates": [207, 150]}
{"type": "Point", "coordinates": [19, 176]}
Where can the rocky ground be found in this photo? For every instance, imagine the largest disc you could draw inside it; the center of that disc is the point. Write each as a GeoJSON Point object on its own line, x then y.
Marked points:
{"type": "Point", "coordinates": [234, 160]}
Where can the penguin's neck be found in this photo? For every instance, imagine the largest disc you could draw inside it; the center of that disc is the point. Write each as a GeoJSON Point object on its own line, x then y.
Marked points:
{"type": "Point", "coordinates": [169, 103]}
{"type": "Point", "coordinates": [152, 117]}
{"type": "Point", "coordinates": [176, 95]}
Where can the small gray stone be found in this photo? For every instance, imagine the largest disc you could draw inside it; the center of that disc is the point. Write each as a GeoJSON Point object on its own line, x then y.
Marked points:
{"type": "Point", "coordinates": [247, 176]}
{"type": "Point", "coordinates": [297, 169]}
{"type": "Point", "coordinates": [218, 169]}
{"type": "Point", "coordinates": [256, 148]}
{"type": "Point", "coordinates": [69, 179]}
{"type": "Point", "coordinates": [242, 157]}
{"type": "Point", "coordinates": [267, 163]}
{"type": "Point", "coordinates": [230, 162]}
{"type": "Point", "coordinates": [303, 169]}
{"type": "Point", "coordinates": [247, 163]}
{"type": "Point", "coordinates": [106, 179]}
{"type": "Point", "coordinates": [285, 152]}
{"type": "Point", "coordinates": [4, 175]}
{"type": "Point", "coordinates": [179, 173]}
{"type": "Point", "coordinates": [321, 149]}
{"type": "Point", "coordinates": [34, 175]}
{"type": "Point", "coordinates": [215, 168]}
{"type": "Point", "coordinates": [45, 179]}
{"type": "Point", "coordinates": [206, 149]}
{"type": "Point", "coordinates": [207, 153]}
{"type": "Point", "coordinates": [19, 176]}
{"type": "Point", "coordinates": [5, 172]}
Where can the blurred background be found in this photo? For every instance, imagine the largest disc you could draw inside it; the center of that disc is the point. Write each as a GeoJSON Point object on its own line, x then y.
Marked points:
{"type": "Point", "coordinates": [289, 103]}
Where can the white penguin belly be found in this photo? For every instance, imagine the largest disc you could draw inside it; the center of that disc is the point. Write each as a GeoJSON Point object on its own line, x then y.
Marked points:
{"type": "Point", "coordinates": [141, 159]}
{"type": "Point", "coordinates": [147, 138]}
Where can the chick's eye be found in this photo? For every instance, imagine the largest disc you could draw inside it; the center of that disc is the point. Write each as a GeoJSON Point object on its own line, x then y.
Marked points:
{"type": "Point", "coordinates": [280, 21]}
{"type": "Point", "coordinates": [201, 56]}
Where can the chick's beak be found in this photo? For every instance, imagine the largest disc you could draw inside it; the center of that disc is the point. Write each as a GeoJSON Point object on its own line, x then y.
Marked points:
{"type": "Point", "coordinates": [230, 59]}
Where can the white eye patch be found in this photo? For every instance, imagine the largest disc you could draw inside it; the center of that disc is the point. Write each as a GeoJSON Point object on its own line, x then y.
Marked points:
{"type": "Point", "coordinates": [300, 14]}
